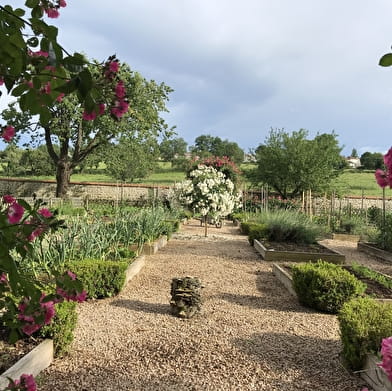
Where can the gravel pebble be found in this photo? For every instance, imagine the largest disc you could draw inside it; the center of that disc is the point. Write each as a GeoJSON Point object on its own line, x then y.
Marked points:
{"type": "Point", "coordinates": [250, 335]}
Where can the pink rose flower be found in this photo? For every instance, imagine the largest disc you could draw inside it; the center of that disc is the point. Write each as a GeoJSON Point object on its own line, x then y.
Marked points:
{"type": "Point", "coordinates": [381, 178]}
{"type": "Point", "coordinates": [8, 199]}
{"type": "Point", "coordinates": [120, 89]}
{"type": "Point", "coordinates": [89, 116]}
{"type": "Point", "coordinates": [114, 66]}
{"type": "Point", "coordinates": [8, 133]}
{"type": "Point", "coordinates": [15, 213]}
{"type": "Point", "coordinates": [52, 13]}
{"type": "Point", "coordinates": [45, 212]}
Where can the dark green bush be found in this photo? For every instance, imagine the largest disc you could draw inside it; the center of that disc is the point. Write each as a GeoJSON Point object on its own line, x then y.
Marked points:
{"type": "Point", "coordinates": [325, 286]}
{"type": "Point", "coordinates": [363, 322]}
{"type": "Point", "coordinates": [258, 232]}
{"type": "Point", "coordinates": [62, 327]}
{"type": "Point", "coordinates": [246, 226]}
{"type": "Point", "coordinates": [100, 278]}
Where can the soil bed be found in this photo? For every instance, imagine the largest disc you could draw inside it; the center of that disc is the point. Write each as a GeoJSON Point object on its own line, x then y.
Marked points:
{"type": "Point", "coordinates": [283, 246]}
{"type": "Point", "coordinates": [10, 354]}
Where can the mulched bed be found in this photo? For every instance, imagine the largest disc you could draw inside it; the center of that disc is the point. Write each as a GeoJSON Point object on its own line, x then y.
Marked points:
{"type": "Point", "coordinates": [10, 354]}
{"type": "Point", "coordinates": [303, 248]}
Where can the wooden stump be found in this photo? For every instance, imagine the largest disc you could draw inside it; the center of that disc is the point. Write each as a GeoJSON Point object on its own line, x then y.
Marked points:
{"type": "Point", "coordinates": [185, 297]}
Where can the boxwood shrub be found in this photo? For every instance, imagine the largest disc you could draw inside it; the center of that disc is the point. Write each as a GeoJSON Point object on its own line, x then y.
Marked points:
{"type": "Point", "coordinates": [325, 286]}
{"type": "Point", "coordinates": [258, 232]}
{"type": "Point", "coordinates": [61, 328]}
{"type": "Point", "coordinates": [363, 322]}
{"type": "Point", "coordinates": [100, 278]}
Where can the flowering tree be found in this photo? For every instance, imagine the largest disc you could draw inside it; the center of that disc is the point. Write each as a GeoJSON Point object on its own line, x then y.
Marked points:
{"type": "Point", "coordinates": [207, 191]}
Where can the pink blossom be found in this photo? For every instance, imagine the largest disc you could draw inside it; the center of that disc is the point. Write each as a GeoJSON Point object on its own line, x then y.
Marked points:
{"type": "Point", "coordinates": [102, 108]}
{"type": "Point", "coordinates": [1, 81]}
{"type": "Point", "coordinates": [62, 3]}
{"type": "Point", "coordinates": [60, 97]}
{"type": "Point", "coordinates": [120, 89]}
{"type": "Point", "coordinates": [25, 382]}
{"type": "Point", "coordinates": [8, 199]}
{"type": "Point", "coordinates": [388, 159]}
{"type": "Point", "coordinates": [49, 311]}
{"type": "Point", "coordinates": [78, 296]}
{"type": "Point", "coordinates": [52, 12]}
{"type": "Point", "coordinates": [89, 116]}
{"type": "Point", "coordinates": [8, 133]}
{"type": "Point", "coordinates": [15, 213]}
{"type": "Point", "coordinates": [114, 66]}
{"type": "Point", "coordinates": [45, 212]}
{"type": "Point", "coordinates": [386, 352]}
{"type": "Point", "coordinates": [46, 89]}
{"type": "Point", "coordinates": [35, 234]}
{"type": "Point", "coordinates": [3, 278]}
{"type": "Point", "coordinates": [30, 328]}
{"type": "Point", "coordinates": [30, 84]}
{"type": "Point", "coordinates": [120, 108]}
{"type": "Point", "coordinates": [381, 178]}
{"type": "Point", "coordinates": [71, 275]}
{"type": "Point", "coordinates": [39, 53]}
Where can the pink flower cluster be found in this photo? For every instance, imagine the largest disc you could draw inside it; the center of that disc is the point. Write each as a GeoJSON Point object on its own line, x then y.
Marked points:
{"type": "Point", "coordinates": [3, 279]}
{"type": "Point", "coordinates": [386, 352]}
{"type": "Point", "coordinates": [384, 178]}
{"type": "Point", "coordinates": [8, 133]}
{"type": "Point", "coordinates": [31, 325]}
{"type": "Point", "coordinates": [79, 297]}
{"type": "Point", "coordinates": [15, 213]}
{"type": "Point", "coordinates": [52, 9]}
{"type": "Point", "coordinates": [120, 104]}
{"type": "Point", "coordinates": [24, 383]}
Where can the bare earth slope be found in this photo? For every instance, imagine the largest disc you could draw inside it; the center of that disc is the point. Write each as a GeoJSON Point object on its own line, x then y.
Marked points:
{"type": "Point", "coordinates": [251, 334]}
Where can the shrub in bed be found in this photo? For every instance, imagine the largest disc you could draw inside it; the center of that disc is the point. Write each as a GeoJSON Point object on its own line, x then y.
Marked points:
{"type": "Point", "coordinates": [325, 286]}
{"type": "Point", "coordinates": [100, 278]}
{"type": "Point", "coordinates": [62, 327]}
{"type": "Point", "coordinates": [258, 232]}
{"type": "Point", "coordinates": [246, 226]}
{"type": "Point", "coordinates": [363, 323]}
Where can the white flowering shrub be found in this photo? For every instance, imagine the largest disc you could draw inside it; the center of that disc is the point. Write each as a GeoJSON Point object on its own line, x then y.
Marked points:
{"type": "Point", "coordinates": [208, 192]}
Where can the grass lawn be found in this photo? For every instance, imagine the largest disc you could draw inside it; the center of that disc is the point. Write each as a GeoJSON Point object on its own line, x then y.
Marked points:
{"type": "Point", "coordinates": [357, 182]}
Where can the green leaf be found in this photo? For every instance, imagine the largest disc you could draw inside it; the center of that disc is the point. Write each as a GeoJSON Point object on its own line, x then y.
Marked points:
{"type": "Point", "coordinates": [69, 87]}
{"type": "Point", "coordinates": [31, 3]}
{"type": "Point", "coordinates": [19, 12]}
{"type": "Point", "coordinates": [37, 12]}
{"type": "Point", "coordinates": [86, 82]}
{"type": "Point", "coordinates": [386, 60]}
{"type": "Point", "coordinates": [45, 116]}
{"type": "Point", "coordinates": [20, 89]}
{"type": "Point", "coordinates": [33, 42]}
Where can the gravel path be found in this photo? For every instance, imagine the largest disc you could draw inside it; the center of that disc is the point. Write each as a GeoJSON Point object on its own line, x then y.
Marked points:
{"type": "Point", "coordinates": [251, 334]}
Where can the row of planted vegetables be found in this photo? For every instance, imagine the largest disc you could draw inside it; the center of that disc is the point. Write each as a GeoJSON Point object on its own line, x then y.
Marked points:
{"type": "Point", "coordinates": [96, 246]}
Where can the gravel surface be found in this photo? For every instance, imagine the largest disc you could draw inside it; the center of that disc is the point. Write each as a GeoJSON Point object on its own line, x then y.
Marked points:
{"type": "Point", "coordinates": [250, 335]}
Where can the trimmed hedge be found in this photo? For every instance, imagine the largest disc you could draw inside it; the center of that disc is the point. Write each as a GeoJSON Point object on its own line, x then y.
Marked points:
{"type": "Point", "coordinates": [61, 329]}
{"type": "Point", "coordinates": [325, 286]}
{"type": "Point", "coordinates": [100, 278]}
{"type": "Point", "coordinates": [363, 322]}
{"type": "Point", "coordinates": [258, 232]}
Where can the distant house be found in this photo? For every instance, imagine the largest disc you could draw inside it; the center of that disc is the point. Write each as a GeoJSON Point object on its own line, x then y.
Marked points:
{"type": "Point", "coordinates": [353, 162]}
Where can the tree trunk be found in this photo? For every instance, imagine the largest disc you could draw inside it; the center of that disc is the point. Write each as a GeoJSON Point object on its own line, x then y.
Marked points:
{"type": "Point", "coordinates": [63, 175]}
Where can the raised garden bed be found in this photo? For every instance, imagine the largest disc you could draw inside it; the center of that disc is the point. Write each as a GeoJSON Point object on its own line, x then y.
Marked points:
{"type": "Point", "coordinates": [32, 363]}
{"type": "Point", "coordinates": [376, 290]}
{"type": "Point", "coordinates": [285, 253]}
{"type": "Point", "coordinates": [371, 249]}
{"type": "Point", "coordinates": [346, 237]}
{"type": "Point", "coordinates": [153, 247]}
{"type": "Point", "coordinates": [134, 268]}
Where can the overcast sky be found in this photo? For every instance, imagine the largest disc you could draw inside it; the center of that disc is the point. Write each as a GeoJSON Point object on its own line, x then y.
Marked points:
{"type": "Point", "coordinates": [239, 68]}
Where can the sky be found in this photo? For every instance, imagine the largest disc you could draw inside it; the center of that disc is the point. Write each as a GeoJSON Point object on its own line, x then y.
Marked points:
{"type": "Point", "coordinates": [240, 68]}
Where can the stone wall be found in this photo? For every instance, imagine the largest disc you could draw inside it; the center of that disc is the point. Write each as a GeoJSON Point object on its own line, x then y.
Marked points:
{"type": "Point", "coordinates": [90, 190]}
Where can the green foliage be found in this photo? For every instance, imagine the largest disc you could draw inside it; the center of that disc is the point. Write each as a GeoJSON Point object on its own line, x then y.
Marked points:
{"type": "Point", "coordinates": [100, 278]}
{"type": "Point", "coordinates": [325, 286]}
{"type": "Point", "coordinates": [258, 232]}
{"type": "Point", "coordinates": [207, 145]}
{"type": "Point", "coordinates": [384, 238]}
{"type": "Point", "coordinates": [62, 327]}
{"type": "Point", "coordinates": [363, 322]}
{"type": "Point", "coordinates": [373, 275]}
{"type": "Point", "coordinates": [372, 161]}
{"type": "Point", "coordinates": [287, 226]}
{"type": "Point", "coordinates": [291, 164]}
{"type": "Point", "coordinates": [172, 148]}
